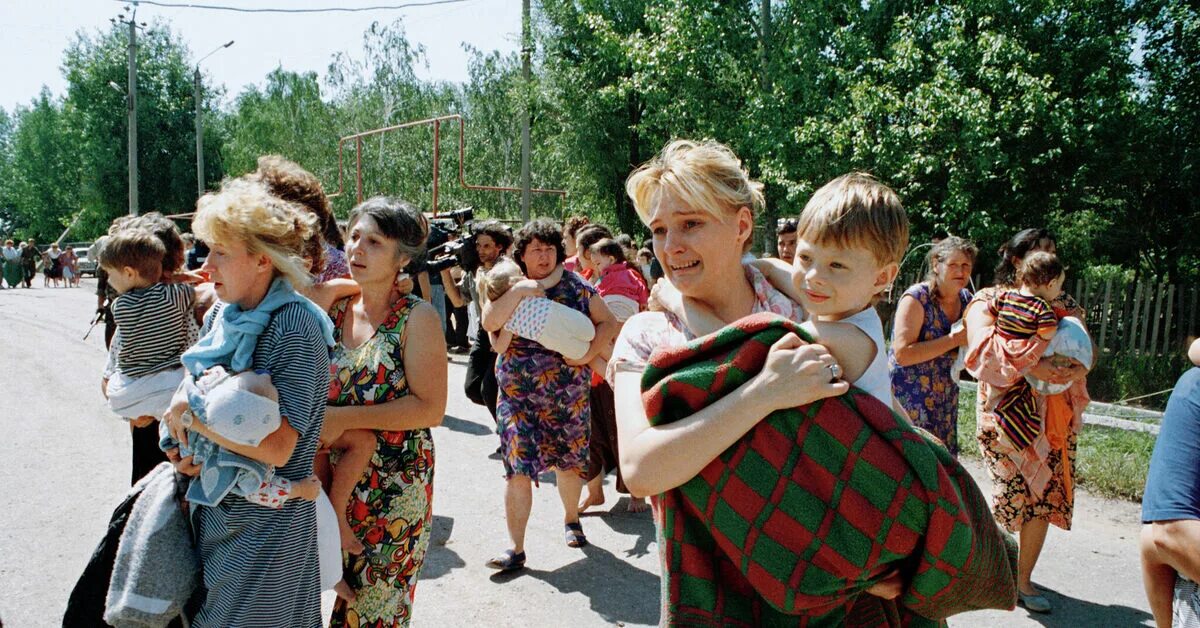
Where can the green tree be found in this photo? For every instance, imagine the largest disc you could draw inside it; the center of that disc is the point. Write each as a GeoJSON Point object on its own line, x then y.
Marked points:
{"type": "Point", "coordinates": [166, 123]}
{"type": "Point", "coordinates": [42, 175]}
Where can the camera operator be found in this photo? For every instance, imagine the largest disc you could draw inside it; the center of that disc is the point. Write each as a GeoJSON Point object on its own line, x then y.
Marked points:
{"type": "Point", "coordinates": [491, 240]}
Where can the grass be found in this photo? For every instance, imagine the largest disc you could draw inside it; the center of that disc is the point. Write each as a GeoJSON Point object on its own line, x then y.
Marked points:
{"type": "Point", "coordinates": [1109, 462]}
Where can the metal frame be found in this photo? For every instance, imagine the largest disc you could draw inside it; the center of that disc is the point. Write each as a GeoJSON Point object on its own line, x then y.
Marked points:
{"type": "Point", "coordinates": [437, 124]}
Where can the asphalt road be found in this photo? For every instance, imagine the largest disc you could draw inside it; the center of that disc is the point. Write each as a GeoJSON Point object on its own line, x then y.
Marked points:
{"type": "Point", "coordinates": [65, 465]}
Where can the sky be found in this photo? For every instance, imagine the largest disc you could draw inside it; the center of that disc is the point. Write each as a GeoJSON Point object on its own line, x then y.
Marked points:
{"type": "Point", "coordinates": [34, 34]}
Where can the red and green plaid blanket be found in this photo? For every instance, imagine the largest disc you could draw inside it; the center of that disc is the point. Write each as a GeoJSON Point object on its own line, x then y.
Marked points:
{"type": "Point", "coordinates": [791, 524]}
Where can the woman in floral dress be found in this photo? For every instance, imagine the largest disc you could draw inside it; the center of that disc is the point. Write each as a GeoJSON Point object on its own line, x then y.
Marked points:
{"type": "Point", "coordinates": [925, 345]}
{"type": "Point", "coordinates": [1031, 487]}
{"type": "Point", "coordinates": [388, 376]}
{"type": "Point", "coordinates": [543, 412]}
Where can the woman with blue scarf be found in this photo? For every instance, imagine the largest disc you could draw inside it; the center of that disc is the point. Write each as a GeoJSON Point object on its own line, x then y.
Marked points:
{"type": "Point", "coordinates": [259, 565]}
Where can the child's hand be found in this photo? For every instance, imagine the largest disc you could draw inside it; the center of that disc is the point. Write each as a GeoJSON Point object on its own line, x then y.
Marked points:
{"type": "Point", "coordinates": [142, 421]}
{"type": "Point", "coordinates": [665, 297]}
{"type": "Point", "coordinates": [528, 288]}
{"type": "Point", "coordinates": [403, 284]}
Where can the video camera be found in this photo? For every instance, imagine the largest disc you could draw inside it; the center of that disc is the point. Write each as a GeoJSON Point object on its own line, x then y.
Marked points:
{"type": "Point", "coordinates": [446, 253]}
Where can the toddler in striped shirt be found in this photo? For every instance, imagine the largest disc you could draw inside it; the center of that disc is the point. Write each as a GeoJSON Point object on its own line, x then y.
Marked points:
{"type": "Point", "coordinates": [153, 318]}
{"type": "Point", "coordinates": [1025, 312]}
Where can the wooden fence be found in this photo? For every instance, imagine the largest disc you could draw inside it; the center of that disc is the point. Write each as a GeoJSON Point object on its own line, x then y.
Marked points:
{"type": "Point", "coordinates": [1143, 316]}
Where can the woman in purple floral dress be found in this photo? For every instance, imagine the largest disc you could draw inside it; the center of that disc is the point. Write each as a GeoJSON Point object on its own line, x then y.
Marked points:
{"type": "Point", "coordinates": [543, 412]}
{"type": "Point", "coordinates": [925, 345]}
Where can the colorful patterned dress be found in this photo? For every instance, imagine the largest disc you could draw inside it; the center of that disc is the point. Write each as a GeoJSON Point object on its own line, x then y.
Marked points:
{"type": "Point", "coordinates": [391, 509]}
{"type": "Point", "coordinates": [926, 391]}
{"type": "Point", "coordinates": [1035, 482]}
{"type": "Point", "coordinates": [544, 412]}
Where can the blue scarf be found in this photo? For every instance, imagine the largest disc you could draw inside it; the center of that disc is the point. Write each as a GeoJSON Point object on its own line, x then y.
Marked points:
{"type": "Point", "coordinates": [234, 334]}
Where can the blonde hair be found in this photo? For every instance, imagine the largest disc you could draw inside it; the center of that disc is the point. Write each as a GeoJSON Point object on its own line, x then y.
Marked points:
{"type": "Point", "coordinates": [704, 175]}
{"type": "Point", "coordinates": [857, 210]}
{"type": "Point", "coordinates": [244, 210]}
{"type": "Point", "coordinates": [500, 278]}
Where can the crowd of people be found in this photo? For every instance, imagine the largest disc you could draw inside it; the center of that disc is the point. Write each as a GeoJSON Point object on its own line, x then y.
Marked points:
{"type": "Point", "coordinates": [734, 393]}
{"type": "Point", "coordinates": [20, 262]}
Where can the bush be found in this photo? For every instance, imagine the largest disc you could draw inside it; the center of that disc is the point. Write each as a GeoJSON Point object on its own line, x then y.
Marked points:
{"type": "Point", "coordinates": [1123, 374]}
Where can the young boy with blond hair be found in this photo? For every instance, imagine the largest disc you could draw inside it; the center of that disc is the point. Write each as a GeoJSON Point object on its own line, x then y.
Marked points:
{"type": "Point", "coordinates": [850, 239]}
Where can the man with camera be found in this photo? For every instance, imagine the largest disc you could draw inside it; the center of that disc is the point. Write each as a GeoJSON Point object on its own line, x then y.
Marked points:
{"type": "Point", "coordinates": [476, 254]}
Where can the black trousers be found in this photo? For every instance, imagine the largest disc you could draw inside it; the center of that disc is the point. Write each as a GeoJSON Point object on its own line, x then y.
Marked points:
{"type": "Point", "coordinates": [480, 386]}
{"type": "Point", "coordinates": [457, 322]}
{"type": "Point", "coordinates": [146, 454]}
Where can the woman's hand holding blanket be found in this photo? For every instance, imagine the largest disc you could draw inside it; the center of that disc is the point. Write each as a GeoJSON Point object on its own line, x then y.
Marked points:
{"type": "Point", "coordinates": [797, 374]}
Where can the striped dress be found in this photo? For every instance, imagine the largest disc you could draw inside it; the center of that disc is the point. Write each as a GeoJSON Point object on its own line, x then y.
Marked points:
{"type": "Point", "coordinates": [260, 564]}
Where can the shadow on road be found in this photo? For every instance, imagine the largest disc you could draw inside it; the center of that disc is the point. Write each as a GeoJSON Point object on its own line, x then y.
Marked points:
{"type": "Point", "coordinates": [466, 427]}
{"type": "Point", "coordinates": [440, 560]}
{"type": "Point", "coordinates": [616, 590]}
{"type": "Point", "coordinates": [1070, 612]}
{"type": "Point", "coordinates": [639, 525]}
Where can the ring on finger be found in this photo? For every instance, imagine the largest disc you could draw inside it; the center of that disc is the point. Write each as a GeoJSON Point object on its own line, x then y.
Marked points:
{"type": "Point", "coordinates": [835, 372]}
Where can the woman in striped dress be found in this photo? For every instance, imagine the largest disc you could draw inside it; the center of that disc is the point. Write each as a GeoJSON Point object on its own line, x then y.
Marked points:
{"type": "Point", "coordinates": [389, 377]}
{"type": "Point", "coordinates": [260, 565]}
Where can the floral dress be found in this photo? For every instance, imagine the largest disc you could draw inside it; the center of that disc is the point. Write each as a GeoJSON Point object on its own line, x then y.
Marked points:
{"type": "Point", "coordinates": [391, 508]}
{"type": "Point", "coordinates": [1035, 482]}
{"type": "Point", "coordinates": [543, 413]}
{"type": "Point", "coordinates": [926, 391]}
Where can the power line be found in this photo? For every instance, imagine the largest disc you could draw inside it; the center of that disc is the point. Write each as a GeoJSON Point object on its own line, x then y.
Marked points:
{"type": "Point", "coordinates": [214, 7]}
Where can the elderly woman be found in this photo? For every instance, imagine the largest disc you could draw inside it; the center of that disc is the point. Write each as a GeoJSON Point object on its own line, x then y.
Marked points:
{"type": "Point", "coordinates": [389, 377]}
{"type": "Point", "coordinates": [259, 564]}
{"type": "Point", "coordinates": [543, 410]}
{"type": "Point", "coordinates": [925, 341]}
{"type": "Point", "coordinates": [1032, 487]}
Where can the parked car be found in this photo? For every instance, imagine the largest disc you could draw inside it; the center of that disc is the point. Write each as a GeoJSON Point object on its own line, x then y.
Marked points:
{"type": "Point", "coordinates": [87, 265]}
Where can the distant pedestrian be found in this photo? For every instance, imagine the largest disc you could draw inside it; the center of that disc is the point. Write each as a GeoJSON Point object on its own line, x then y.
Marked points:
{"type": "Point", "coordinates": [29, 260]}
{"type": "Point", "coordinates": [11, 257]}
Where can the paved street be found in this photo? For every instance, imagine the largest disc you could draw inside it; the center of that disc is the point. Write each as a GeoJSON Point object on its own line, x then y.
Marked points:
{"type": "Point", "coordinates": [66, 464]}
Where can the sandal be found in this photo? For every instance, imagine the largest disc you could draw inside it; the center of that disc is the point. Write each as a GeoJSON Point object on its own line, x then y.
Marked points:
{"type": "Point", "coordinates": [575, 536]}
{"type": "Point", "coordinates": [509, 561]}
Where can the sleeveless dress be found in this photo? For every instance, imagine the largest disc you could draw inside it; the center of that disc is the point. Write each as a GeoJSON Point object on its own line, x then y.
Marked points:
{"type": "Point", "coordinates": [926, 391]}
{"type": "Point", "coordinates": [543, 413]}
{"type": "Point", "coordinates": [391, 508]}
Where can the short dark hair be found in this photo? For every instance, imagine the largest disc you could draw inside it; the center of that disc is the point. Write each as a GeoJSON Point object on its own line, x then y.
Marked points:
{"type": "Point", "coordinates": [1039, 268]}
{"type": "Point", "coordinates": [787, 225]}
{"type": "Point", "coordinates": [398, 220]}
{"type": "Point", "coordinates": [135, 247]}
{"type": "Point", "coordinates": [591, 234]}
{"type": "Point", "coordinates": [497, 231]}
{"type": "Point", "coordinates": [543, 230]}
{"type": "Point", "coordinates": [1025, 241]}
{"type": "Point", "coordinates": [611, 248]}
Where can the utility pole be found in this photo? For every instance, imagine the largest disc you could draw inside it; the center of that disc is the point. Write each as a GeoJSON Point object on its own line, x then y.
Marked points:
{"type": "Point", "coordinates": [131, 101]}
{"type": "Point", "coordinates": [770, 215]}
{"type": "Point", "coordinates": [526, 48]}
{"type": "Point", "coordinates": [131, 107]}
{"type": "Point", "coordinates": [199, 121]}
{"type": "Point", "coordinates": [199, 135]}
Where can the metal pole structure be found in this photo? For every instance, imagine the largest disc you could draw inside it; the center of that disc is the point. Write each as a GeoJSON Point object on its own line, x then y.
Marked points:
{"type": "Point", "coordinates": [199, 136]}
{"type": "Point", "coordinates": [526, 45]}
{"type": "Point", "coordinates": [200, 123]}
{"type": "Point", "coordinates": [131, 107]}
{"type": "Point", "coordinates": [771, 215]}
